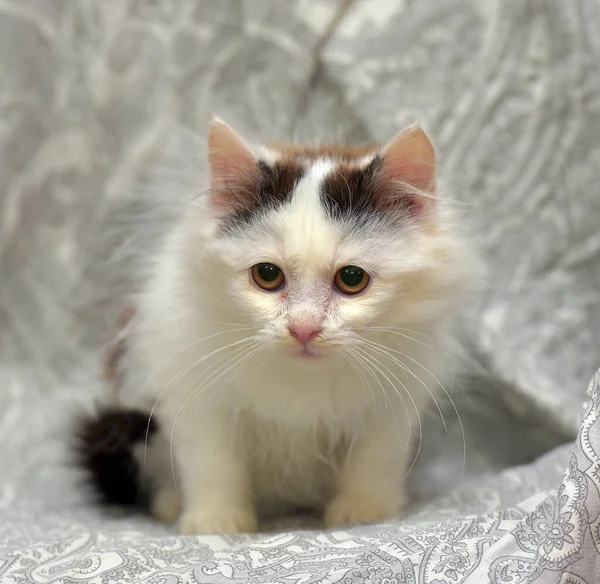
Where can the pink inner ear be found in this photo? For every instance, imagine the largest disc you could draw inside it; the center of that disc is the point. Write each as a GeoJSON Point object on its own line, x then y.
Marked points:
{"type": "Point", "coordinates": [408, 159]}
{"type": "Point", "coordinates": [233, 169]}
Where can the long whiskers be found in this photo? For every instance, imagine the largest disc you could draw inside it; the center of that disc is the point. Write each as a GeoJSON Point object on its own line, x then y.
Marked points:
{"type": "Point", "coordinates": [378, 364]}
{"type": "Point", "coordinates": [398, 331]}
{"type": "Point", "coordinates": [183, 372]}
{"type": "Point", "coordinates": [369, 365]}
{"type": "Point", "coordinates": [384, 351]}
{"type": "Point", "coordinates": [189, 346]}
{"type": "Point", "coordinates": [201, 340]}
{"type": "Point", "coordinates": [426, 370]}
{"type": "Point", "coordinates": [242, 355]}
{"type": "Point", "coordinates": [250, 358]}
{"type": "Point", "coordinates": [363, 379]}
{"type": "Point", "coordinates": [360, 361]}
{"type": "Point", "coordinates": [217, 368]}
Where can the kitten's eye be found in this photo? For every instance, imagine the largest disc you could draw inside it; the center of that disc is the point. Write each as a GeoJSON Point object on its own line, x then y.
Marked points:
{"type": "Point", "coordinates": [351, 280]}
{"type": "Point", "coordinates": [268, 276]}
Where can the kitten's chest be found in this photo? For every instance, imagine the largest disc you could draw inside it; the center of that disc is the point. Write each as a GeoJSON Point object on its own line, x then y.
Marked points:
{"type": "Point", "coordinates": [291, 466]}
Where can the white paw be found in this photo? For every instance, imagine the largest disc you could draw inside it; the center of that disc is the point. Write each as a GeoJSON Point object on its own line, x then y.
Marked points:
{"type": "Point", "coordinates": [357, 508]}
{"type": "Point", "coordinates": [166, 505]}
{"type": "Point", "coordinates": [218, 520]}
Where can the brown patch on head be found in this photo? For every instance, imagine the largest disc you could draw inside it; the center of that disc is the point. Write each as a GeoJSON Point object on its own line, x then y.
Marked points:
{"type": "Point", "coordinates": [395, 184]}
{"type": "Point", "coordinates": [273, 186]}
{"type": "Point", "coordinates": [365, 180]}
{"type": "Point", "coordinates": [360, 193]}
{"type": "Point", "coordinates": [350, 191]}
{"type": "Point", "coordinates": [351, 186]}
{"type": "Point", "coordinates": [347, 155]}
{"type": "Point", "coordinates": [276, 182]}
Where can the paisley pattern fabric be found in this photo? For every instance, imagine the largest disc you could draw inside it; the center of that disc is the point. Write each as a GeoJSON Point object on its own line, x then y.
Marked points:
{"type": "Point", "coordinates": [93, 91]}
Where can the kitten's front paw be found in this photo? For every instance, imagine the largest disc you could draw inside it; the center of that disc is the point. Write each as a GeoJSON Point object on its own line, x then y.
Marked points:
{"type": "Point", "coordinates": [357, 508]}
{"type": "Point", "coordinates": [166, 505]}
{"type": "Point", "coordinates": [218, 521]}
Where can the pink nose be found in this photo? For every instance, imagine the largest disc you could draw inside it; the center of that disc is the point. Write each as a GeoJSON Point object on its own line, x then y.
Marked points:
{"type": "Point", "coordinates": [303, 333]}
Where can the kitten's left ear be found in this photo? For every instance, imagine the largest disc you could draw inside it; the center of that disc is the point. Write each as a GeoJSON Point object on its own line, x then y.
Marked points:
{"type": "Point", "coordinates": [409, 159]}
{"type": "Point", "coordinates": [233, 169]}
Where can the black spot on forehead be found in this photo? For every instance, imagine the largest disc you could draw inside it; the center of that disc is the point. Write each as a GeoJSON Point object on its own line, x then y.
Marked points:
{"type": "Point", "coordinates": [350, 192]}
{"type": "Point", "coordinates": [273, 188]}
{"type": "Point", "coordinates": [277, 183]}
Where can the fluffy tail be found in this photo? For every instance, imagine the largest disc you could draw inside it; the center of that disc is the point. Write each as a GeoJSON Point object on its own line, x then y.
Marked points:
{"type": "Point", "coordinates": [105, 450]}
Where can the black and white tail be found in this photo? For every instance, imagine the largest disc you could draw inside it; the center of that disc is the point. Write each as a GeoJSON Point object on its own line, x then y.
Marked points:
{"type": "Point", "coordinates": [105, 448]}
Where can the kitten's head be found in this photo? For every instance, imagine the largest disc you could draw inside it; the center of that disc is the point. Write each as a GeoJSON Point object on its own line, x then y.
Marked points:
{"type": "Point", "coordinates": [315, 247]}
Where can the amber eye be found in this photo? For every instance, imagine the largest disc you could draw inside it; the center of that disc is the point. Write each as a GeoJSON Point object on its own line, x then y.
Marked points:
{"type": "Point", "coordinates": [351, 280]}
{"type": "Point", "coordinates": [267, 276]}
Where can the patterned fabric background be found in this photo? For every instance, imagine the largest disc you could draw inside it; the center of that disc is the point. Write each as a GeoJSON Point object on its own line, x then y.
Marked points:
{"type": "Point", "coordinates": [93, 90]}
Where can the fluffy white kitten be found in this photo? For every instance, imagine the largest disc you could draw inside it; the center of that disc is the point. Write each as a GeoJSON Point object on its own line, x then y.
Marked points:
{"type": "Point", "coordinates": [294, 326]}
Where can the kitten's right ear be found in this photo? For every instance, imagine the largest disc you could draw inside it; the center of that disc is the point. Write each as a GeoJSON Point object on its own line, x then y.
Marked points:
{"type": "Point", "coordinates": [233, 169]}
{"type": "Point", "coordinates": [407, 173]}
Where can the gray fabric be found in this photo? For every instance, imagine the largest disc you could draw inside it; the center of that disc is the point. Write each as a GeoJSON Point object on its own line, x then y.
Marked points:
{"type": "Point", "coordinates": [509, 90]}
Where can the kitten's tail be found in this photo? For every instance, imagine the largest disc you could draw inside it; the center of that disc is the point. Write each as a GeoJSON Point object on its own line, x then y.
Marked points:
{"type": "Point", "coordinates": [104, 448]}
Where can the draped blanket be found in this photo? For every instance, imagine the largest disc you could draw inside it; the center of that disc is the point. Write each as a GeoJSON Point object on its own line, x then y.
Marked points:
{"type": "Point", "coordinates": [510, 93]}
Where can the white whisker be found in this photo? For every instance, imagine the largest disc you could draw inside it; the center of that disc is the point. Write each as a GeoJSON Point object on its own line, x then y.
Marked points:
{"type": "Point", "coordinates": [360, 361]}
{"type": "Point", "coordinates": [375, 362]}
{"type": "Point", "coordinates": [402, 330]}
{"type": "Point", "coordinates": [383, 350]}
{"type": "Point", "coordinates": [363, 379]}
{"type": "Point", "coordinates": [462, 430]}
{"type": "Point", "coordinates": [198, 341]}
{"type": "Point", "coordinates": [401, 334]}
{"type": "Point", "coordinates": [368, 365]}
{"type": "Point", "coordinates": [204, 386]}
{"type": "Point", "coordinates": [177, 377]}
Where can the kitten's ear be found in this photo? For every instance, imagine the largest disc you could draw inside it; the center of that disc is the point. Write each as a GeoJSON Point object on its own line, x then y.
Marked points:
{"type": "Point", "coordinates": [409, 160]}
{"type": "Point", "coordinates": [233, 169]}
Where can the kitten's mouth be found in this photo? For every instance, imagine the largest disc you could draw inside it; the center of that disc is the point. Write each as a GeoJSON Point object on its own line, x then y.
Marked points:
{"type": "Point", "coordinates": [307, 352]}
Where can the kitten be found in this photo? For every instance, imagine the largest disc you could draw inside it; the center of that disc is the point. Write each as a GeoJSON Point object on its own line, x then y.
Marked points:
{"type": "Point", "coordinates": [294, 325]}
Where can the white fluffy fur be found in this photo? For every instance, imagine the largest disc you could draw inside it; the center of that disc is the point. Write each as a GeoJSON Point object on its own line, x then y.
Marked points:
{"type": "Point", "coordinates": [254, 426]}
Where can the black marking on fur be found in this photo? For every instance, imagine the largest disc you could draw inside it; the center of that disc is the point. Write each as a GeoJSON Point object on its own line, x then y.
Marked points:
{"type": "Point", "coordinates": [277, 183]}
{"type": "Point", "coordinates": [274, 188]}
{"type": "Point", "coordinates": [351, 193]}
{"type": "Point", "coordinates": [104, 449]}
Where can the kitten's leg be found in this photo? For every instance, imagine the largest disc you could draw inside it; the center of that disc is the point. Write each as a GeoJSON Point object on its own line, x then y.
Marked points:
{"type": "Point", "coordinates": [213, 479]}
{"type": "Point", "coordinates": [370, 483]}
{"type": "Point", "coordinates": [166, 505]}
{"type": "Point", "coordinates": [212, 476]}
